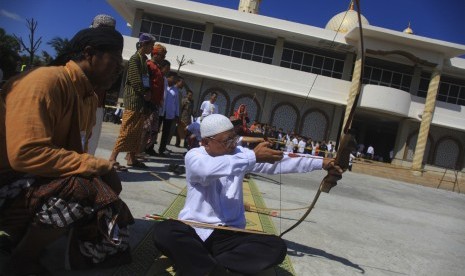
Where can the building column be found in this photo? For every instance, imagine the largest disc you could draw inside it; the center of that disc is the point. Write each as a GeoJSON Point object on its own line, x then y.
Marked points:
{"type": "Point", "coordinates": [335, 122]}
{"type": "Point", "coordinates": [426, 119]}
{"type": "Point", "coordinates": [353, 88]}
{"type": "Point", "coordinates": [278, 51]}
{"type": "Point", "coordinates": [266, 108]}
{"type": "Point", "coordinates": [207, 37]}
{"type": "Point", "coordinates": [137, 23]}
{"type": "Point", "coordinates": [415, 84]}
{"type": "Point", "coordinates": [348, 63]}
{"type": "Point", "coordinates": [401, 142]}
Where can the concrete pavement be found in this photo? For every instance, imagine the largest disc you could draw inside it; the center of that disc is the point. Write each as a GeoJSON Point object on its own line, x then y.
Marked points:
{"type": "Point", "coordinates": [365, 225]}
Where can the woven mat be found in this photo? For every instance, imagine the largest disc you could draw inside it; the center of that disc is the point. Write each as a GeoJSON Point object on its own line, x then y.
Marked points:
{"type": "Point", "coordinates": [145, 261]}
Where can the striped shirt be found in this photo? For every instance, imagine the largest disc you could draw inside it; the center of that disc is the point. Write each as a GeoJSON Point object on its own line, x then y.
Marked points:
{"type": "Point", "coordinates": [134, 89]}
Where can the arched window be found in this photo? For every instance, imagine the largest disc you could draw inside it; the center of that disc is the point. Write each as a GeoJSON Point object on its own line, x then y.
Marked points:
{"type": "Point", "coordinates": [314, 125]}
{"type": "Point", "coordinates": [285, 116]}
{"type": "Point", "coordinates": [251, 103]}
{"type": "Point", "coordinates": [222, 101]}
{"type": "Point", "coordinates": [410, 148]}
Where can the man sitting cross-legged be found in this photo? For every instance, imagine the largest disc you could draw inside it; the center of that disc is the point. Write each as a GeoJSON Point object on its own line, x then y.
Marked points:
{"type": "Point", "coordinates": [214, 174]}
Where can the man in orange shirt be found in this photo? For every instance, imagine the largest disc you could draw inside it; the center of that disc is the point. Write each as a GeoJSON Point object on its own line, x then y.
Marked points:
{"type": "Point", "coordinates": [48, 184]}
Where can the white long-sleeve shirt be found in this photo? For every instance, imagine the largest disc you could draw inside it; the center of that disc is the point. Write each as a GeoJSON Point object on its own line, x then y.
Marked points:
{"type": "Point", "coordinates": [208, 108]}
{"type": "Point", "coordinates": [370, 150]}
{"type": "Point", "coordinates": [214, 184]}
{"type": "Point", "coordinates": [301, 145]}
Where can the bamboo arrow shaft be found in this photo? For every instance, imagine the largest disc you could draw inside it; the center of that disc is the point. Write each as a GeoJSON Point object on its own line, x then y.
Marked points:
{"type": "Point", "coordinates": [207, 225]}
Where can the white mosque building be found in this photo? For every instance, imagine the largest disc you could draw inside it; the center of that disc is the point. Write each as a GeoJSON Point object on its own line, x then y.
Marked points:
{"type": "Point", "coordinates": [302, 78]}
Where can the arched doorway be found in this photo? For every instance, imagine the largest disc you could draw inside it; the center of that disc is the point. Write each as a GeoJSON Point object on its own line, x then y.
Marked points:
{"type": "Point", "coordinates": [377, 130]}
{"type": "Point", "coordinates": [447, 153]}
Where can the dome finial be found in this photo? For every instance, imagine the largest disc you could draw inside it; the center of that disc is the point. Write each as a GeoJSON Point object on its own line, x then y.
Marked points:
{"type": "Point", "coordinates": [249, 6]}
{"type": "Point", "coordinates": [351, 8]}
{"type": "Point", "coordinates": [408, 30]}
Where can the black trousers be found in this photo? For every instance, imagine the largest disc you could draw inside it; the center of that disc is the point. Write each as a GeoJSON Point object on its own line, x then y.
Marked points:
{"type": "Point", "coordinates": [239, 252]}
{"type": "Point", "coordinates": [165, 134]}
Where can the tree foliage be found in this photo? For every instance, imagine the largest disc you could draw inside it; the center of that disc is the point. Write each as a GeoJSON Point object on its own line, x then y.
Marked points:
{"type": "Point", "coordinates": [60, 45]}
{"type": "Point", "coordinates": [11, 46]}
{"type": "Point", "coordinates": [9, 57]}
{"type": "Point", "coordinates": [46, 57]}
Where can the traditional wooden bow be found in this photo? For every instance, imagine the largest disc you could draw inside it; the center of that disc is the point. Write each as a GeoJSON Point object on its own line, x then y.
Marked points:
{"type": "Point", "coordinates": [347, 144]}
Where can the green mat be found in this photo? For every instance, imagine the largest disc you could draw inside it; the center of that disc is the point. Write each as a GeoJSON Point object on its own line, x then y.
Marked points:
{"type": "Point", "coordinates": [145, 261]}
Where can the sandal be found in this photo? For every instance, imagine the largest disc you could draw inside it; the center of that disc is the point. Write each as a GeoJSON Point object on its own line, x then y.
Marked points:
{"type": "Point", "coordinates": [138, 164]}
{"type": "Point", "coordinates": [180, 170]}
{"type": "Point", "coordinates": [172, 167]}
{"type": "Point", "coordinates": [119, 168]}
{"type": "Point", "coordinates": [139, 157]}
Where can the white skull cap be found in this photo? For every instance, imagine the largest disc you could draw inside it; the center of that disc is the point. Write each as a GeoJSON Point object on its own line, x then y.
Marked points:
{"type": "Point", "coordinates": [214, 124]}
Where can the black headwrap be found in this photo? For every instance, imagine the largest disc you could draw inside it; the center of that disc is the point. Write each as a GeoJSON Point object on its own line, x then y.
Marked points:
{"type": "Point", "coordinates": [102, 38]}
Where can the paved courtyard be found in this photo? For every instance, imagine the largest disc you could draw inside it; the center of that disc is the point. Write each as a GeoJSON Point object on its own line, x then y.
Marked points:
{"type": "Point", "coordinates": [365, 225]}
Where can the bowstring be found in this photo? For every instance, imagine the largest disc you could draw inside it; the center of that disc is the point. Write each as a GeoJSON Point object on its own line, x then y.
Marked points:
{"type": "Point", "coordinates": [331, 45]}
{"type": "Point", "coordinates": [280, 201]}
{"type": "Point", "coordinates": [305, 101]}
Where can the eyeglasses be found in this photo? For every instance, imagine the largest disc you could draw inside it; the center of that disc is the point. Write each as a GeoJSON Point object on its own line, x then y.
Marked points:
{"type": "Point", "coordinates": [228, 142]}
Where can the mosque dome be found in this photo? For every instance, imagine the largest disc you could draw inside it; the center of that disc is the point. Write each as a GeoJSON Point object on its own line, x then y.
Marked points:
{"type": "Point", "coordinates": [344, 21]}
{"type": "Point", "coordinates": [408, 30]}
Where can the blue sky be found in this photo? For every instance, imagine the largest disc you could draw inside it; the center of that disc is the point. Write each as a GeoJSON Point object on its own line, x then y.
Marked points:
{"type": "Point", "coordinates": [444, 20]}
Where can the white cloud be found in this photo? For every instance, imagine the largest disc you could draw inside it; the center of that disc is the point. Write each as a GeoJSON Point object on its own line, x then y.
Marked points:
{"type": "Point", "coordinates": [10, 15]}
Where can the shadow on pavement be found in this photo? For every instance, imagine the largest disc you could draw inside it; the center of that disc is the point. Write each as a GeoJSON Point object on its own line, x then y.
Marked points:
{"type": "Point", "coordinates": [139, 176]}
{"type": "Point", "coordinates": [299, 250]}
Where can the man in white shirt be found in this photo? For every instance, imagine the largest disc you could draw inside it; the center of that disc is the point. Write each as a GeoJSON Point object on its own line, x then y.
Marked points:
{"type": "Point", "coordinates": [209, 107]}
{"type": "Point", "coordinates": [330, 149]}
{"type": "Point", "coordinates": [106, 21]}
{"type": "Point", "coordinates": [351, 161]}
{"type": "Point", "coordinates": [295, 142]}
{"type": "Point", "coordinates": [301, 145]}
{"type": "Point", "coordinates": [214, 175]}
{"type": "Point", "coordinates": [370, 152]}
{"type": "Point", "coordinates": [289, 146]}
{"type": "Point", "coordinates": [330, 146]}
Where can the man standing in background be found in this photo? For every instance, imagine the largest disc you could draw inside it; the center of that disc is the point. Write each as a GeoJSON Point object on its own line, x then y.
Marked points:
{"type": "Point", "coordinates": [187, 109]}
{"type": "Point", "coordinates": [136, 95]}
{"type": "Point", "coordinates": [171, 109]}
{"type": "Point", "coordinates": [209, 107]}
{"type": "Point", "coordinates": [370, 152]}
{"type": "Point", "coordinates": [101, 20]}
{"type": "Point", "coordinates": [157, 88]}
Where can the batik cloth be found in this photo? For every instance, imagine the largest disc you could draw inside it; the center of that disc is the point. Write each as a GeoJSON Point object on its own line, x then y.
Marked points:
{"type": "Point", "coordinates": [130, 133]}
